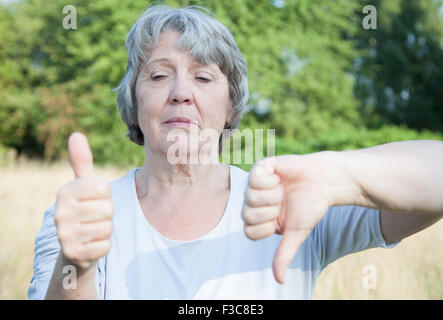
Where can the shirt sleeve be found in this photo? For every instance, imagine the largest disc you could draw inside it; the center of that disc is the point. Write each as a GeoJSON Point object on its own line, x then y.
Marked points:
{"type": "Point", "coordinates": [46, 251]}
{"type": "Point", "coordinates": [347, 229]}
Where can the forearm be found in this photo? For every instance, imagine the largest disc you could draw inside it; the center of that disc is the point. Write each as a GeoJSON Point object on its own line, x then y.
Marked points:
{"type": "Point", "coordinates": [84, 288]}
{"type": "Point", "coordinates": [397, 177]}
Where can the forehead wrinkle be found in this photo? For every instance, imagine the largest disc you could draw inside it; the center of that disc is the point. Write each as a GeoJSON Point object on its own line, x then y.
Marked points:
{"type": "Point", "coordinates": [194, 64]}
{"type": "Point", "coordinates": [170, 38]}
{"type": "Point", "coordinates": [158, 61]}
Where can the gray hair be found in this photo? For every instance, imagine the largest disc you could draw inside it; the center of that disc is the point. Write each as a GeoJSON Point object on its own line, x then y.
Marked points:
{"type": "Point", "coordinates": [203, 37]}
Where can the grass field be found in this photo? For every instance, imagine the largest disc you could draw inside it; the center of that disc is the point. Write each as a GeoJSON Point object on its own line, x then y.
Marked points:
{"type": "Point", "coordinates": [412, 270]}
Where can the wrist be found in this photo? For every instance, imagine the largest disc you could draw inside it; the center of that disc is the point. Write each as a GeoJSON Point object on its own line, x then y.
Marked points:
{"type": "Point", "coordinates": [68, 281]}
{"type": "Point", "coordinates": [342, 184]}
{"type": "Point", "coordinates": [85, 272]}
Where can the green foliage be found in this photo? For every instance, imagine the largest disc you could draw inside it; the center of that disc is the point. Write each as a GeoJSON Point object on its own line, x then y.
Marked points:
{"type": "Point", "coordinates": [346, 139]}
{"type": "Point", "coordinates": [354, 139]}
{"type": "Point", "coordinates": [302, 73]}
{"type": "Point", "coordinates": [298, 62]}
{"type": "Point", "coordinates": [400, 77]}
{"type": "Point", "coordinates": [7, 155]}
{"type": "Point", "coordinates": [66, 80]}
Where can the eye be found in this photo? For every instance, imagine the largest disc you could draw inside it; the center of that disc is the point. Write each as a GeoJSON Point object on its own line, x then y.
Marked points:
{"type": "Point", "coordinates": [158, 77]}
{"type": "Point", "coordinates": [203, 79]}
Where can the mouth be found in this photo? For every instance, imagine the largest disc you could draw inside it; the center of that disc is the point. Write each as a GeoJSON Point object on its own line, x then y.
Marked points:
{"type": "Point", "coordinates": [181, 121]}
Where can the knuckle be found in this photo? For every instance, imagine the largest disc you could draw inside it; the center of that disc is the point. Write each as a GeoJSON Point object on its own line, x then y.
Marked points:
{"type": "Point", "coordinates": [60, 213]}
{"type": "Point", "coordinates": [109, 209]}
{"type": "Point", "coordinates": [254, 180]}
{"type": "Point", "coordinates": [270, 229]}
{"type": "Point", "coordinates": [250, 196]}
{"type": "Point", "coordinates": [71, 252]}
{"type": "Point", "coordinates": [103, 187]}
{"type": "Point", "coordinates": [79, 254]}
{"type": "Point", "coordinates": [61, 193]}
{"type": "Point", "coordinates": [107, 229]}
{"type": "Point", "coordinates": [254, 218]}
{"type": "Point", "coordinates": [249, 232]}
{"type": "Point", "coordinates": [106, 247]}
{"type": "Point", "coordinates": [257, 170]}
{"type": "Point", "coordinates": [57, 216]}
{"type": "Point", "coordinates": [246, 215]}
{"type": "Point", "coordinates": [63, 234]}
{"type": "Point", "coordinates": [248, 219]}
{"type": "Point", "coordinates": [247, 194]}
{"type": "Point", "coordinates": [62, 239]}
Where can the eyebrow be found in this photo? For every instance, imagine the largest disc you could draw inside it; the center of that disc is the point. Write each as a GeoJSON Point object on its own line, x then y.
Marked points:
{"type": "Point", "coordinates": [156, 61]}
{"type": "Point", "coordinates": [162, 60]}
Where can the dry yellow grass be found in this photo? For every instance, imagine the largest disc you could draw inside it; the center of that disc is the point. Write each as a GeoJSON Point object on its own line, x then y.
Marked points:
{"type": "Point", "coordinates": [27, 189]}
{"type": "Point", "coordinates": [412, 270]}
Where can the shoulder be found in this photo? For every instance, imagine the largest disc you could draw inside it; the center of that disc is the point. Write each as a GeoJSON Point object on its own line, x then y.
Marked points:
{"type": "Point", "coordinates": [122, 185]}
{"type": "Point", "coordinates": [123, 179]}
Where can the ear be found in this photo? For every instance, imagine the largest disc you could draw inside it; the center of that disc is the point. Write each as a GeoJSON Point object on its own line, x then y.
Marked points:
{"type": "Point", "coordinates": [229, 117]}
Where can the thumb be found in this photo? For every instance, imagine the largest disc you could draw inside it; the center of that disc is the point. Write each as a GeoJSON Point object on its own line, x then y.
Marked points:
{"type": "Point", "coordinates": [289, 244]}
{"type": "Point", "coordinates": [80, 155]}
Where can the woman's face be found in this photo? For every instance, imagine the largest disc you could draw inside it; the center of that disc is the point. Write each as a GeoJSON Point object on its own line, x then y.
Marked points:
{"type": "Point", "coordinates": [174, 85]}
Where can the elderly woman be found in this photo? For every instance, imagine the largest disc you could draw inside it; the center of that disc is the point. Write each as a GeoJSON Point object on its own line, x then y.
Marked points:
{"type": "Point", "coordinates": [183, 230]}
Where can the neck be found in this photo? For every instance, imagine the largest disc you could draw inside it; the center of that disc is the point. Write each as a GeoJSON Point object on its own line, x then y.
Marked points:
{"type": "Point", "coordinates": [161, 178]}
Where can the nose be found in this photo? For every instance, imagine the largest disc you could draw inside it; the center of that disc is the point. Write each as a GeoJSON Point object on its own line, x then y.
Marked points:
{"type": "Point", "coordinates": [180, 92]}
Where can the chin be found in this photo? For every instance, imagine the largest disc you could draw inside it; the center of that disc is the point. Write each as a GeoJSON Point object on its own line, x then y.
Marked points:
{"type": "Point", "coordinates": [178, 152]}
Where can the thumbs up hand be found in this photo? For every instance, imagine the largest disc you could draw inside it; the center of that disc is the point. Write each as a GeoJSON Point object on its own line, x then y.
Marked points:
{"type": "Point", "coordinates": [84, 209]}
{"type": "Point", "coordinates": [289, 195]}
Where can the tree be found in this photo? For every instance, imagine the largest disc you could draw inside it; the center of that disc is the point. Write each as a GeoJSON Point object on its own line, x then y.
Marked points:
{"type": "Point", "coordinates": [399, 79]}
{"type": "Point", "coordinates": [304, 59]}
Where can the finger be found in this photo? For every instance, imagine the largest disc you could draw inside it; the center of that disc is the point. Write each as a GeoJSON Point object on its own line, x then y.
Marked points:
{"type": "Point", "coordinates": [80, 155]}
{"type": "Point", "coordinates": [260, 231]}
{"type": "Point", "coordinates": [95, 210]}
{"type": "Point", "coordinates": [264, 197]}
{"type": "Point", "coordinates": [100, 230]}
{"type": "Point", "coordinates": [94, 250]}
{"type": "Point", "coordinates": [264, 167]}
{"type": "Point", "coordinates": [259, 181]}
{"type": "Point", "coordinates": [262, 175]}
{"type": "Point", "coordinates": [289, 244]}
{"type": "Point", "coordinates": [259, 215]}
